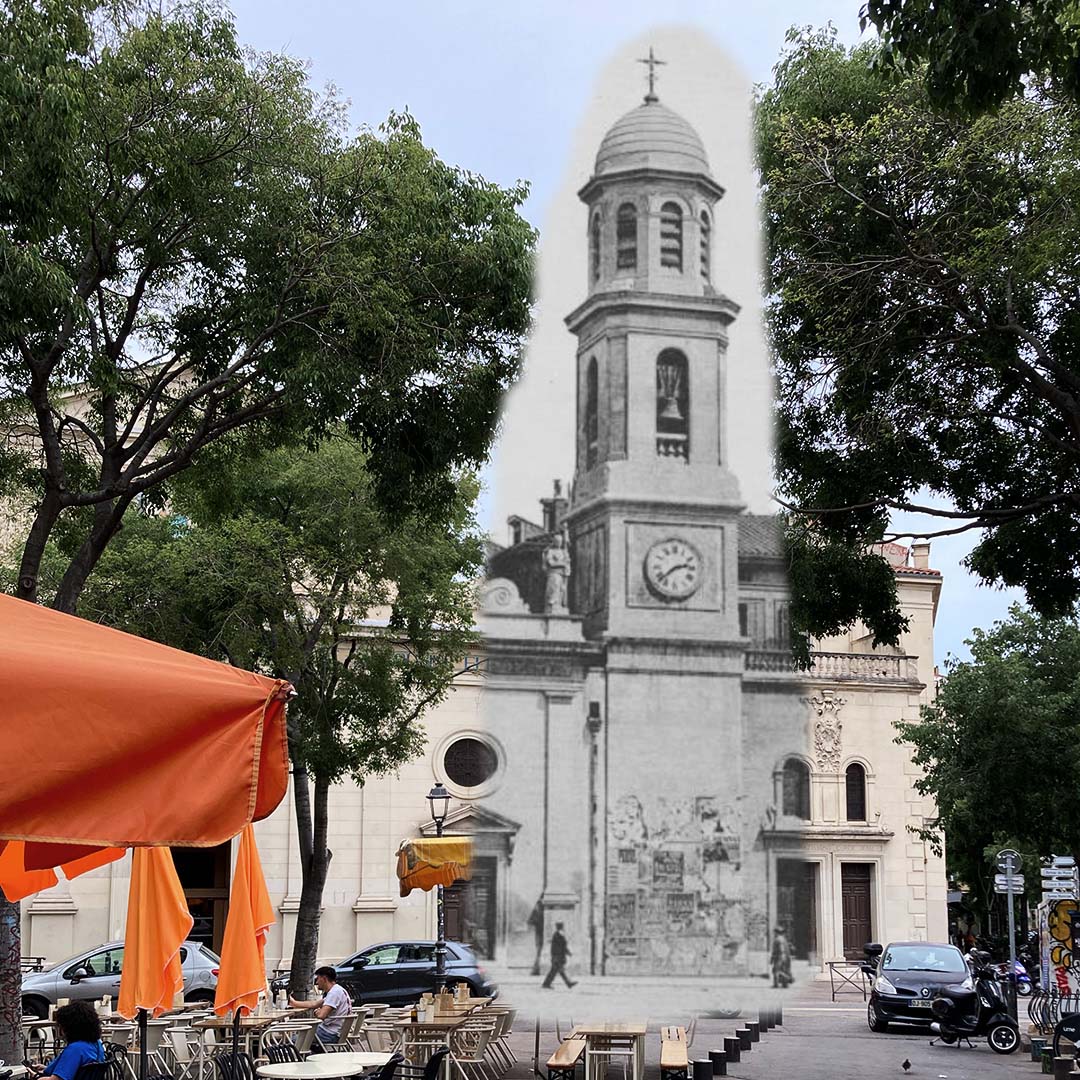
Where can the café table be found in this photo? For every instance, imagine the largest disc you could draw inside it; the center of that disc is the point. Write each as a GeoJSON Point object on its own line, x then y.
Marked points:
{"type": "Point", "coordinates": [594, 1034]}
{"type": "Point", "coordinates": [324, 1066]}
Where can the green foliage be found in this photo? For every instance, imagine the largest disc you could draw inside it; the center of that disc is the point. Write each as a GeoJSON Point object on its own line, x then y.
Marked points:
{"type": "Point", "coordinates": [279, 563]}
{"type": "Point", "coordinates": [193, 242]}
{"type": "Point", "coordinates": [978, 55]}
{"type": "Point", "coordinates": [1000, 746]}
{"type": "Point", "coordinates": [924, 307]}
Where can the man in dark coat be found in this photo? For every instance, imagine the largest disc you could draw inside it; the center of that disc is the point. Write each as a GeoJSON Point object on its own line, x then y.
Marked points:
{"type": "Point", "coordinates": [559, 952]}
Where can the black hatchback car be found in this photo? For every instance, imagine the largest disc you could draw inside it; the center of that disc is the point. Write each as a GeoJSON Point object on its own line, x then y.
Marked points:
{"type": "Point", "coordinates": [905, 977]}
{"type": "Point", "coordinates": [398, 972]}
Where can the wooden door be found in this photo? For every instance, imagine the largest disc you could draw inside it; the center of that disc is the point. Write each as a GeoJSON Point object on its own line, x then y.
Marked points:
{"type": "Point", "coordinates": [469, 908]}
{"type": "Point", "coordinates": [204, 874]}
{"type": "Point", "coordinates": [855, 894]}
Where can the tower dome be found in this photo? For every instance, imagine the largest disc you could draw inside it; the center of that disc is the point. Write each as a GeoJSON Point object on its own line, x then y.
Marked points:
{"type": "Point", "coordinates": [651, 137]}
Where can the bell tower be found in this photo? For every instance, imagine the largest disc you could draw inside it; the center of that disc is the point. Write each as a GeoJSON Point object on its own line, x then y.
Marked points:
{"type": "Point", "coordinates": [653, 520]}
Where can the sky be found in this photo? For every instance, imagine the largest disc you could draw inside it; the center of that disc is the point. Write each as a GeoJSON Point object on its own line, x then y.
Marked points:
{"type": "Point", "coordinates": [524, 92]}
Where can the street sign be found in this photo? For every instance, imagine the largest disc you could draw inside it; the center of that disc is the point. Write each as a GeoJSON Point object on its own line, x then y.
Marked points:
{"type": "Point", "coordinates": [1016, 880]}
{"type": "Point", "coordinates": [1063, 860]}
{"type": "Point", "coordinates": [1057, 894]}
{"type": "Point", "coordinates": [1008, 860]}
{"type": "Point", "coordinates": [1015, 890]}
{"type": "Point", "coordinates": [1056, 873]}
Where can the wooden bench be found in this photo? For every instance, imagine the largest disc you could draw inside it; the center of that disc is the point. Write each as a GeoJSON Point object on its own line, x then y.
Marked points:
{"type": "Point", "coordinates": [674, 1060]}
{"type": "Point", "coordinates": [564, 1061]}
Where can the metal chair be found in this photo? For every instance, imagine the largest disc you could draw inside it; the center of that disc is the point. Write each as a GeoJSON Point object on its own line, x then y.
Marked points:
{"type": "Point", "coordinates": [430, 1071]}
{"type": "Point", "coordinates": [92, 1070]}
{"type": "Point", "coordinates": [232, 1066]}
{"type": "Point", "coordinates": [183, 1045]}
{"type": "Point", "coordinates": [469, 1045]}
{"type": "Point", "coordinates": [342, 1045]}
{"type": "Point", "coordinates": [280, 1053]}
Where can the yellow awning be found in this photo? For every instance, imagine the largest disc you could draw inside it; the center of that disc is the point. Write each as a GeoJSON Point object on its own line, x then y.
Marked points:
{"type": "Point", "coordinates": [436, 860]}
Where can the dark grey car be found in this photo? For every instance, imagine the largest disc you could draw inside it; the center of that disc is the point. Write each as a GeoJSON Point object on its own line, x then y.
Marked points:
{"type": "Point", "coordinates": [92, 974]}
{"type": "Point", "coordinates": [398, 972]}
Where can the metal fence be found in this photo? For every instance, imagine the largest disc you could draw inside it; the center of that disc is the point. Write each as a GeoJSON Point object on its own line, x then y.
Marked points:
{"type": "Point", "coordinates": [847, 977]}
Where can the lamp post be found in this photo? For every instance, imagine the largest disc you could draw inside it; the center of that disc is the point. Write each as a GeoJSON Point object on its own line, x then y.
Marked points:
{"type": "Point", "coordinates": [439, 800]}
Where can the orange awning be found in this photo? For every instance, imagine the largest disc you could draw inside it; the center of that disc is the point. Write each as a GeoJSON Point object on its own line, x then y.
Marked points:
{"type": "Point", "coordinates": [122, 742]}
{"type": "Point", "coordinates": [436, 860]}
{"type": "Point", "coordinates": [158, 922]}
{"type": "Point", "coordinates": [243, 965]}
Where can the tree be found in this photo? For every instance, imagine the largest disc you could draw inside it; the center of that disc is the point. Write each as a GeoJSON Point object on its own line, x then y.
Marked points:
{"type": "Point", "coordinates": [978, 55]}
{"type": "Point", "coordinates": [924, 306]}
{"type": "Point", "coordinates": [193, 244]}
{"type": "Point", "coordinates": [279, 563]}
{"type": "Point", "coordinates": [1001, 743]}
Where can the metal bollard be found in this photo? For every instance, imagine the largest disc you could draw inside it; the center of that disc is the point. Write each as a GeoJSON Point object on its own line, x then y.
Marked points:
{"type": "Point", "coordinates": [1048, 1061]}
{"type": "Point", "coordinates": [763, 1019]}
{"type": "Point", "coordinates": [1063, 1066]}
{"type": "Point", "coordinates": [719, 1062]}
{"type": "Point", "coordinates": [701, 1069]}
{"type": "Point", "coordinates": [778, 1013]}
{"type": "Point", "coordinates": [1037, 1049]}
{"type": "Point", "coordinates": [743, 1035]}
{"type": "Point", "coordinates": [755, 1030]}
{"type": "Point", "coordinates": [732, 1050]}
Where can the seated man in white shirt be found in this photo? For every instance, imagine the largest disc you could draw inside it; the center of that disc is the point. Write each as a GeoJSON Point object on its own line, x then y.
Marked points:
{"type": "Point", "coordinates": [334, 1007]}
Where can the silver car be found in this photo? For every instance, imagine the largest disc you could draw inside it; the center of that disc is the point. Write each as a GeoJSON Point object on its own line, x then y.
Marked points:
{"type": "Point", "coordinates": [94, 973]}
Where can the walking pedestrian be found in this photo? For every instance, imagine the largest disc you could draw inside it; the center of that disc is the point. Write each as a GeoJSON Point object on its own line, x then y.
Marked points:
{"type": "Point", "coordinates": [781, 959]}
{"type": "Point", "coordinates": [559, 952]}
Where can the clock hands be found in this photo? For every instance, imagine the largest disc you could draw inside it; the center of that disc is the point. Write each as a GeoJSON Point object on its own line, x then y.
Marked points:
{"type": "Point", "coordinates": [677, 566]}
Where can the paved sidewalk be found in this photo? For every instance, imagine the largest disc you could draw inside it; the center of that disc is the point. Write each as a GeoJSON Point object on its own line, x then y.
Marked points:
{"type": "Point", "coordinates": [819, 1040]}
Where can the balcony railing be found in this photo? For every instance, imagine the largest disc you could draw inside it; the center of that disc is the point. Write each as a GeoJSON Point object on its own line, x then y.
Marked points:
{"type": "Point", "coordinates": [851, 667]}
{"type": "Point", "coordinates": [676, 446]}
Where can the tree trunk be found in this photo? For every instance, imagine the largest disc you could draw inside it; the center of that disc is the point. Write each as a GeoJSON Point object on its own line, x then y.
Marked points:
{"type": "Point", "coordinates": [10, 981]}
{"type": "Point", "coordinates": [107, 518]}
{"type": "Point", "coordinates": [312, 824]}
{"type": "Point", "coordinates": [34, 548]}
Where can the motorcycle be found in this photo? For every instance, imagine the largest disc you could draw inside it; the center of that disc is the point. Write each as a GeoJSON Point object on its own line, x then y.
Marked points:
{"type": "Point", "coordinates": [963, 1013]}
{"type": "Point", "coordinates": [1018, 976]}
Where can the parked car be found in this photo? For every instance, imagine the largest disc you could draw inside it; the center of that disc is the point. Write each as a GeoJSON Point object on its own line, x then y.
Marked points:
{"type": "Point", "coordinates": [398, 972]}
{"type": "Point", "coordinates": [906, 975]}
{"type": "Point", "coordinates": [92, 974]}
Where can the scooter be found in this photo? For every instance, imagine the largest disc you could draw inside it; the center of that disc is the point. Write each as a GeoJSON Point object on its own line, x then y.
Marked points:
{"type": "Point", "coordinates": [960, 1014]}
{"type": "Point", "coordinates": [1019, 976]}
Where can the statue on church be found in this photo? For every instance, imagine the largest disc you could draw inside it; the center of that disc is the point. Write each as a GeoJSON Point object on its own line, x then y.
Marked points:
{"type": "Point", "coordinates": [557, 573]}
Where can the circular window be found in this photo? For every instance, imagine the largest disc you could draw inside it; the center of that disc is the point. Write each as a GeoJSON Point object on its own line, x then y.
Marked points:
{"type": "Point", "coordinates": [470, 762]}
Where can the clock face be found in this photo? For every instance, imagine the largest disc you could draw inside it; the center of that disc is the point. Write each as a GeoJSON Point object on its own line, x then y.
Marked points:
{"type": "Point", "coordinates": [673, 569]}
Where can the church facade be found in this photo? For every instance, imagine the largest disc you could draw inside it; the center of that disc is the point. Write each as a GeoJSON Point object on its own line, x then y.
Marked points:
{"type": "Point", "coordinates": [630, 749]}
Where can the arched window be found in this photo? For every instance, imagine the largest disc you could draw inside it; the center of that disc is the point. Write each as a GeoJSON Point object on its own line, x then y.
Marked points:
{"type": "Point", "coordinates": [592, 413]}
{"type": "Point", "coordinates": [671, 235]}
{"type": "Point", "coordinates": [855, 778]}
{"type": "Point", "coordinates": [594, 247]}
{"type": "Point", "coordinates": [672, 405]}
{"type": "Point", "coordinates": [706, 240]}
{"type": "Point", "coordinates": [796, 789]}
{"type": "Point", "coordinates": [626, 237]}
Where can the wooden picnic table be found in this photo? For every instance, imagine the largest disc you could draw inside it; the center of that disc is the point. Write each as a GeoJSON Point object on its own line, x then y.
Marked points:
{"type": "Point", "coordinates": [594, 1034]}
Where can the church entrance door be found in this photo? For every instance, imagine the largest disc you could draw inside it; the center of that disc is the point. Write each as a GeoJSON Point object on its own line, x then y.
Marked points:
{"type": "Point", "coordinates": [469, 908]}
{"type": "Point", "coordinates": [855, 894]}
{"type": "Point", "coordinates": [796, 905]}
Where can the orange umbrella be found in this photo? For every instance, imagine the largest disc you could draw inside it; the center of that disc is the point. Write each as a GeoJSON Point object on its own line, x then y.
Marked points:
{"type": "Point", "coordinates": [19, 881]}
{"type": "Point", "coordinates": [102, 723]}
{"type": "Point", "coordinates": [158, 923]}
{"type": "Point", "coordinates": [243, 966]}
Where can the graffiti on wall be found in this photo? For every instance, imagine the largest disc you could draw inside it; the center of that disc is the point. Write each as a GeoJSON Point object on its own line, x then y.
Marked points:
{"type": "Point", "coordinates": [1058, 945]}
{"type": "Point", "coordinates": [674, 894]}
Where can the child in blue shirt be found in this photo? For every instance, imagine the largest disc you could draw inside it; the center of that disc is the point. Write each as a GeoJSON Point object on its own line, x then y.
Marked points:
{"type": "Point", "coordinates": [80, 1028]}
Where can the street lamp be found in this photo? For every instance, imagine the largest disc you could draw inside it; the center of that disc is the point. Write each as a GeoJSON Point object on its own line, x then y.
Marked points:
{"type": "Point", "coordinates": [439, 800]}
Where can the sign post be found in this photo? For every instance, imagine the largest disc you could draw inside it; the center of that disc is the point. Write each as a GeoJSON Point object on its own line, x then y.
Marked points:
{"type": "Point", "coordinates": [1008, 862]}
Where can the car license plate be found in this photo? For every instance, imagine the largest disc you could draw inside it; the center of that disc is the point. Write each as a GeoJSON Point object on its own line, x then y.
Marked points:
{"type": "Point", "coordinates": [920, 1003]}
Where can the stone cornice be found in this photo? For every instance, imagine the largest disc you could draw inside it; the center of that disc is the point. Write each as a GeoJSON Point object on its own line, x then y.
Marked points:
{"type": "Point", "coordinates": [650, 303]}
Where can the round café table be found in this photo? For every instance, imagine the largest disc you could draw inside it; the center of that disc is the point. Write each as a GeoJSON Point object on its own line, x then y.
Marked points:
{"type": "Point", "coordinates": [324, 1066]}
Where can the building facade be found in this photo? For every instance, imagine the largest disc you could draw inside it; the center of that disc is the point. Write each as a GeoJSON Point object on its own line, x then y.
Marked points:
{"type": "Point", "coordinates": [633, 753]}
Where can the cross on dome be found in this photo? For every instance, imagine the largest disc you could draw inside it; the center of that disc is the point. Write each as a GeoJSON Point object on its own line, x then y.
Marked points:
{"type": "Point", "coordinates": [653, 63]}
